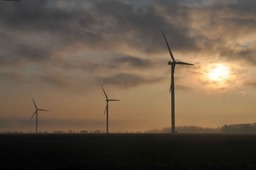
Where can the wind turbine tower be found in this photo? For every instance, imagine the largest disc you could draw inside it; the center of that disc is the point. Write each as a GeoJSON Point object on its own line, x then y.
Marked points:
{"type": "Point", "coordinates": [173, 63]}
{"type": "Point", "coordinates": [106, 109]}
{"type": "Point", "coordinates": [36, 113]}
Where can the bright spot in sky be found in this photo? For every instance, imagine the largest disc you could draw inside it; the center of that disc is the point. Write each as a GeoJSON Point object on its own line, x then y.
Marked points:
{"type": "Point", "coordinates": [221, 76]}
{"type": "Point", "coordinates": [219, 72]}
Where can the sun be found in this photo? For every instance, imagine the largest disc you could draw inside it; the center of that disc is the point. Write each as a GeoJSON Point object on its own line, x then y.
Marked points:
{"type": "Point", "coordinates": [220, 77]}
{"type": "Point", "coordinates": [218, 73]}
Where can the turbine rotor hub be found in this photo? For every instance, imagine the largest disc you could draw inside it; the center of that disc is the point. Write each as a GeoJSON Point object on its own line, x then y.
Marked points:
{"type": "Point", "coordinates": [170, 63]}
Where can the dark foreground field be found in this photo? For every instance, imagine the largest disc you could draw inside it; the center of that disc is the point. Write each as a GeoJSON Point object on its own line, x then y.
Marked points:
{"type": "Point", "coordinates": [128, 151]}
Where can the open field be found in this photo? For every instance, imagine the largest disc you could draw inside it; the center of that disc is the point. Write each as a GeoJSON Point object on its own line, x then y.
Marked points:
{"type": "Point", "coordinates": [128, 151]}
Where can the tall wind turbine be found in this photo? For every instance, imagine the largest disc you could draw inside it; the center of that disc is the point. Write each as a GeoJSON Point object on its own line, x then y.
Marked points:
{"type": "Point", "coordinates": [36, 113]}
{"type": "Point", "coordinates": [106, 109]}
{"type": "Point", "coordinates": [173, 63]}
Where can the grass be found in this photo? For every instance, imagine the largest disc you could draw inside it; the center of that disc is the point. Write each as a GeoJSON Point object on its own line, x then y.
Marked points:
{"type": "Point", "coordinates": [128, 151]}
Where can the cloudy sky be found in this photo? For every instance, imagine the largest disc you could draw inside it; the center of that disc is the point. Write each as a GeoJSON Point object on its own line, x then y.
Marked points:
{"type": "Point", "coordinates": [60, 52]}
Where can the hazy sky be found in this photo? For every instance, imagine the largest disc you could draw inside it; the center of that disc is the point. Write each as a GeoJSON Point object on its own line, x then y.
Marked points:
{"type": "Point", "coordinates": [60, 52]}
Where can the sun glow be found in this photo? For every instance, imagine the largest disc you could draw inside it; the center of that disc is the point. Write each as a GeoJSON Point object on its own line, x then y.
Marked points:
{"type": "Point", "coordinates": [222, 77]}
{"type": "Point", "coordinates": [219, 73]}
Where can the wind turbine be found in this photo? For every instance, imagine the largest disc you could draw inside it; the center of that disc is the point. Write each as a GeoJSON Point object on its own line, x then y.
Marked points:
{"type": "Point", "coordinates": [106, 109]}
{"type": "Point", "coordinates": [36, 113]}
{"type": "Point", "coordinates": [173, 63]}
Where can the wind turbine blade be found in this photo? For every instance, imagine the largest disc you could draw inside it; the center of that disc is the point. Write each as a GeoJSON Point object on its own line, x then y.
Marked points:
{"type": "Point", "coordinates": [114, 100]}
{"type": "Point", "coordinates": [105, 110]}
{"type": "Point", "coordinates": [183, 63]}
{"type": "Point", "coordinates": [170, 87]}
{"type": "Point", "coordinates": [33, 114]}
{"type": "Point", "coordinates": [168, 47]}
{"type": "Point", "coordinates": [172, 74]}
{"type": "Point", "coordinates": [104, 92]}
{"type": "Point", "coordinates": [34, 103]}
{"type": "Point", "coordinates": [43, 110]}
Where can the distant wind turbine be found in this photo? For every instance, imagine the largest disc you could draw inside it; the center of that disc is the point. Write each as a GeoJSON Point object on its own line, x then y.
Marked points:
{"type": "Point", "coordinates": [106, 109]}
{"type": "Point", "coordinates": [173, 64]}
{"type": "Point", "coordinates": [36, 113]}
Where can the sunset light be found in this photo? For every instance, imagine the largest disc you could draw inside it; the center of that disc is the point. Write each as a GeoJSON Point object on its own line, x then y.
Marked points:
{"type": "Point", "coordinates": [132, 84]}
{"type": "Point", "coordinates": [61, 53]}
{"type": "Point", "coordinates": [219, 73]}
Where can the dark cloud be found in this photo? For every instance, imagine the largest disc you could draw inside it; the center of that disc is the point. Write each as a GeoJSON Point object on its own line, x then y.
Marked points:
{"type": "Point", "coordinates": [247, 23]}
{"type": "Point", "coordinates": [61, 77]}
{"type": "Point", "coordinates": [91, 67]}
{"type": "Point", "coordinates": [225, 28]}
{"type": "Point", "coordinates": [12, 76]}
{"type": "Point", "coordinates": [240, 53]}
{"type": "Point", "coordinates": [140, 28]}
{"type": "Point", "coordinates": [58, 80]}
{"type": "Point", "coordinates": [29, 53]}
{"type": "Point", "coordinates": [48, 30]}
{"type": "Point", "coordinates": [36, 32]}
{"type": "Point", "coordinates": [130, 61]}
{"type": "Point", "coordinates": [108, 24]}
{"type": "Point", "coordinates": [118, 62]}
{"type": "Point", "coordinates": [249, 55]}
{"type": "Point", "coordinates": [252, 84]}
{"type": "Point", "coordinates": [32, 16]}
{"type": "Point", "coordinates": [17, 51]}
{"type": "Point", "coordinates": [126, 80]}
{"type": "Point", "coordinates": [54, 79]}
{"type": "Point", "coordinates": [243, 5]}
{"type": "Point", "coordinates": [143, 26]}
